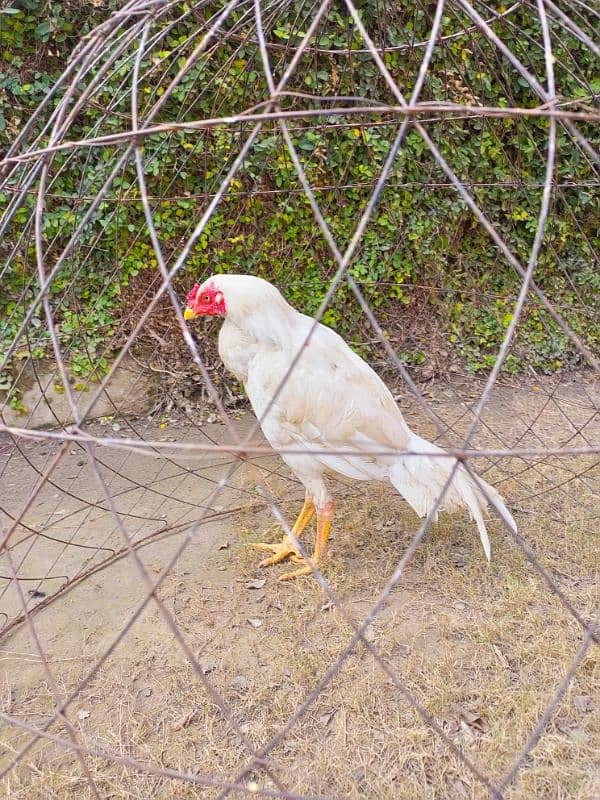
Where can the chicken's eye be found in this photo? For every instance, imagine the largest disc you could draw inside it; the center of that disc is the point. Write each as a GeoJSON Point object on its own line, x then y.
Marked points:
{"type": "Point", "coordinates": [206, 298]}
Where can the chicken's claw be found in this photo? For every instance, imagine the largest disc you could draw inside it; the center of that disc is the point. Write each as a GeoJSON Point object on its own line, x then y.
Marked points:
{"type": "Point", "coordinates": [297, 573]}
{"type": "Point", "coordinates": [286, 549]}
{"type": "Point", "coordinates": [281, 551]}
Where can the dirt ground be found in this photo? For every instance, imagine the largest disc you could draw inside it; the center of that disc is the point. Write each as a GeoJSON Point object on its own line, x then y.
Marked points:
{"type": "Point", "coordinates": [482, 647]}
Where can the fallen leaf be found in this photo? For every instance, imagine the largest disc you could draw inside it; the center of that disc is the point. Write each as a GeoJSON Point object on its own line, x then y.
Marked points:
{"type": "Point", "coordinates": [369, 634]}
{"type": "Point", "coordinates": [207, 666]}
{"type": "Point", "coordinates": [458, 789]}
{"type": "Point", "coordinates": [83, 713]}
{"type": "Point", "coordinates": [426, 373]}
{"type": "Point", "coordinates": [224, 546]}
{"type": "Point", "coordinates": [146, 692]}
{"type": "Point", "coordinates": [467, 733]}
{"type": "Point", "coordinates": [240, 682]}
{"type": "Point", "coordinates": [583, 703]}
{"type": "Point", "coordinates": [256, 584]}
{"type": "Point", "coordinates": [326, 718]}
{"type": "Point", "coordinates": [501, 657]}
{"type": "Point", "coordinates": [255, 622]}
{"type": "Point", "coordinates": [184, 720]}
{"type": "Point", "coordinates": [579, 736]}
{"type": "Point", "coordinates": [326, 606]}
{"type": "Point", "coordinates": [470, 719]}
{"type": "Point", "coordinates": [358, 774]}
{"type": "Point", "coordinates": [460, 558]}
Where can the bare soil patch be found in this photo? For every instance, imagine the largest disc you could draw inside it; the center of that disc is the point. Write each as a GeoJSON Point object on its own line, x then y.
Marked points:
{"type": "Point", "coordinates": [481, 646]}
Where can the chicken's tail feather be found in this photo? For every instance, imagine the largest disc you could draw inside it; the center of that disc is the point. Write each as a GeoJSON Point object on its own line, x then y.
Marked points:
{"type": "Point", "coordinates": [420, 479]}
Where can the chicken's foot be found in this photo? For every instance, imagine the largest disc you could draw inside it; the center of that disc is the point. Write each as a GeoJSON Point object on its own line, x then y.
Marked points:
{"type": "Point", "coordinates": [319, 557]}
{"type": "Point", "coordinates": [286, 548]}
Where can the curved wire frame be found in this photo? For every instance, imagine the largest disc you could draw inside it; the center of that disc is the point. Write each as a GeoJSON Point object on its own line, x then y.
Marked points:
{"type": "Point", "coordinates": [129, 50]}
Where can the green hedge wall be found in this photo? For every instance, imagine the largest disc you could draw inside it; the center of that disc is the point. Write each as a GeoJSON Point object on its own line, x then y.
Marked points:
{"type": "Point", "coordinates": [424, 263]}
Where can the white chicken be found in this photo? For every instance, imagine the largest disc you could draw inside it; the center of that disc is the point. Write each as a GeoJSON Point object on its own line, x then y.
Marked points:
{"type": "Point", "coordinates": [332, 406]}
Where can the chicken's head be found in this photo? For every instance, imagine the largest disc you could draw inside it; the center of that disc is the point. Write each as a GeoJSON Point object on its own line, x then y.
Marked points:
{"type": "Point", "coordinates": [246, 299]}
{"type": "Point", "coordinates": [205, 300]}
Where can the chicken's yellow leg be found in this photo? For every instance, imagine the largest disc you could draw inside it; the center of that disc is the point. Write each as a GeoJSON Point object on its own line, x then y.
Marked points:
{"type": "Point", "coordinates": [285, 548]}
{"type": "Point", "coordinates": [324, 517]}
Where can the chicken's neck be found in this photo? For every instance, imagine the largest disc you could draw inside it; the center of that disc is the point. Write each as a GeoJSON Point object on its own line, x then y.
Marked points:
{"type": "Point", "coordinates": [240, 339]}
{"type": "Point", "coordinates": [270, 327]}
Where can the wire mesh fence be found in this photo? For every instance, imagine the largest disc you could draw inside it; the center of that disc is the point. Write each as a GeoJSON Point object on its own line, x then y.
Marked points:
{"type": "Point", "coordinates": [115, 480]}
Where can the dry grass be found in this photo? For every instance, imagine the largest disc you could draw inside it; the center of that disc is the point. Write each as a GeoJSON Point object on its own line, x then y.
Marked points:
{"type": "Point", "coordinates": [464, 637]}
{"type": "Point", "coordinates": [481, 646]}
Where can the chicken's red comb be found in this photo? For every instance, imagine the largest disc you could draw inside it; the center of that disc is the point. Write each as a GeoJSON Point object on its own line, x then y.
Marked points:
{"type": "Point", "coordinates": [192, 294]}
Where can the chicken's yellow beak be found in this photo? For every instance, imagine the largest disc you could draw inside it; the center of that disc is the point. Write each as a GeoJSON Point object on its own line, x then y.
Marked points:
{"type": "Point", "coordinates": [189, 314]}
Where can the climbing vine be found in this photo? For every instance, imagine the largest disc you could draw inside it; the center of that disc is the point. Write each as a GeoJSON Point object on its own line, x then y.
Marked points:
{"type": "Point", "coordinates": [424, 263]}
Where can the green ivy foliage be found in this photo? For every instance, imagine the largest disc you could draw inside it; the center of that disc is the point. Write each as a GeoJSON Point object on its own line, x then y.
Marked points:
{"type": "Point", "coordinates": [423, 255]}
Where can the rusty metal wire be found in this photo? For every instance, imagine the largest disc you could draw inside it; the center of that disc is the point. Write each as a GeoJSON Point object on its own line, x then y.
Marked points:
{"type": "Point", "coordinates": [179, 474]}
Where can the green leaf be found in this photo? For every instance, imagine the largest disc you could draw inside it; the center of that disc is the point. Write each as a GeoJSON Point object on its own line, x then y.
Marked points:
{"type": "Point", "coordinates": [42, 30]}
